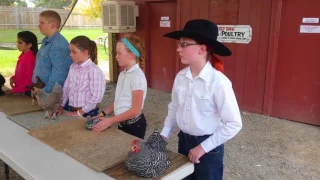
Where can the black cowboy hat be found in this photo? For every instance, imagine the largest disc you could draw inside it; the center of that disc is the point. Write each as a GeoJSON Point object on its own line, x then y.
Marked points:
{"type": "Point", "coordinates": [203, 31]}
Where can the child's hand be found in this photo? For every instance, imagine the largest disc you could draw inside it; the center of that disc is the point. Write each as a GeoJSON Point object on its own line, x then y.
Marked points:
{"type": "Point", "coordinates": [9, 92]}
{"type": "Point", "coordinates": [164, 138]}
{"type": "Point", "coordinates": [60, 110]}
{"type": "Point", "coordinates": [12, 83]}
{"type": "Point", "coordinates": [196, 153]}
{"type": "Point", "coordinates": [102, 125]}
{"type": "Point", "coordinates": [36, 90]}
{"type": "Point", "coordinates": [72, 114]}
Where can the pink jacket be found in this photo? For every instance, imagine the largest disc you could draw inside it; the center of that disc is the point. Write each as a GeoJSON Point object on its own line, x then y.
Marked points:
{"type": "Point", "coordinates": [24, 71]}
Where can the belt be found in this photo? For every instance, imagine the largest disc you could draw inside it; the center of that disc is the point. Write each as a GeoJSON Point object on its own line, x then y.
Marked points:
{"type": "Point", "coordinates": [192, 136]}
{"type": "Point", "coordinates": [75, 109]}
{"type": "Point", "coordinates": [130, 121]}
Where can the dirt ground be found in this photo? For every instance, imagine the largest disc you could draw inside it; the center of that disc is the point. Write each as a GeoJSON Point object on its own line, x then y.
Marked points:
{"type": "Point", "coordinates": [265, 149]}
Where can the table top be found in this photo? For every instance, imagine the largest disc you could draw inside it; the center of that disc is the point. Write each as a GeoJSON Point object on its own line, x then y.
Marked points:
{"type": "Point", "coordinates": [35, 160]}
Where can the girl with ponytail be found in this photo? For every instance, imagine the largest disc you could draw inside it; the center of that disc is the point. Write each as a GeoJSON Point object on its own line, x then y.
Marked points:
{"type": "Point", "coordinates": [85, 85]}
{"type": "Point", "coordinates": [131, 90]}
{"type": "Point", "coordinates": [203, 103]}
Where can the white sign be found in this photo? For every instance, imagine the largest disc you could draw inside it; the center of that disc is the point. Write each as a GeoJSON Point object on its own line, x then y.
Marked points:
{"type": "Point", "coordinates": [309, 29]}
{"type": "Point", "coordinates": [165, 18]}
{"type": "Point", "coordinates": [235, 33]}
{"type": "Point", "coordinates": [310, 20]}
{"type": "Point", "coordinates": [165, 23]}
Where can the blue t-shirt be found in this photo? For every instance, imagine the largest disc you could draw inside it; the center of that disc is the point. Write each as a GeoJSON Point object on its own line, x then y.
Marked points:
{"type": "Point", "coordinates": [53, 61]}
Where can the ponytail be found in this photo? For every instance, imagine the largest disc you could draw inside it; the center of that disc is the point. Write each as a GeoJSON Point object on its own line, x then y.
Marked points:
{"type": "Point", "coordinates": [84, 43]}
{"type": "Point", "coordinates": [214, 60]}
{"type": "Point", "coordinates": [93, 52]}
{"type": "Point", "coordinates": [217, 63]}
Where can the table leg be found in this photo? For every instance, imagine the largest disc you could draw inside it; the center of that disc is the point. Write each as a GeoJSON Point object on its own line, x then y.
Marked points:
{"type": "Point", "coordinates": [6, 171]}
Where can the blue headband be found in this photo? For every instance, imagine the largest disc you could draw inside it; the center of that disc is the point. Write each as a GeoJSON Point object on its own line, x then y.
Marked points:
{"type": "Point", "coordinates": [130, 47]}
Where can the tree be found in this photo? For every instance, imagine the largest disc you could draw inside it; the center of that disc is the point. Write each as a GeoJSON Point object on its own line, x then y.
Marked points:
{"type": "Point", "coordinates": [57, 4]}
{"type": "Point", "coordinates": [93, 10]}
{"type": "Point", "coordinates": [7, 2]}
{"type": "Point", "coordinates": [19, 3]}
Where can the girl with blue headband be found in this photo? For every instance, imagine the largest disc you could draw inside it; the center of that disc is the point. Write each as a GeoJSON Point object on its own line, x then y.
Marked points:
{"type": "Point", "coordinates": [131, 90]}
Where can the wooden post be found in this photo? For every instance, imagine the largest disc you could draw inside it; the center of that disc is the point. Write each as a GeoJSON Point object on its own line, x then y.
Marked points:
{"type": "Point", "coordinates": [113, 64]}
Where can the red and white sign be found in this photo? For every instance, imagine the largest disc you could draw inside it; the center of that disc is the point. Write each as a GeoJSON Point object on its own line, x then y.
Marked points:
{"type": "Point", "coordinates": [235, 33]}
{"type": "Point", "coordinates": [310, 20]}
{"type": "Point", "coordinates": [309, 29]}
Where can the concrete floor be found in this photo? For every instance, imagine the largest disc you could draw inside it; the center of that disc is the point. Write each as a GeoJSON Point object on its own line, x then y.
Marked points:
{"type": "Point", "coordinates": [266, 148]}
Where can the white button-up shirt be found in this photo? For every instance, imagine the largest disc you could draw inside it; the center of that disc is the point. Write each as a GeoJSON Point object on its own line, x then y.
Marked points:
{"type": "Point", "coordinates": [128, 81]}
{"type": "Point", "coordinates": [203, 105]}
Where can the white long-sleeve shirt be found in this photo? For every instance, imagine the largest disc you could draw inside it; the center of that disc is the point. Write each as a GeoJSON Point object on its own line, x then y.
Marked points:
{"type": "Point", "coordinates": [203, 105]}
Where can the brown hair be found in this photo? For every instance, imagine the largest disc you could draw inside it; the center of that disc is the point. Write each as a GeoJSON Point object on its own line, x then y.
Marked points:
{"type": "Point", "coordinates": [52, 16]}
{"type": "Point", "coordinates": [84, 43]}
{"type": "Point", "coordinates": [138, 44]}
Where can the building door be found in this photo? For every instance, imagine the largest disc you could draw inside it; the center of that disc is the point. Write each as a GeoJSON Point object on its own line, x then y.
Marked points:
{"type": "Point", "coordinates": [297, 79]}
{"type": "Point", "coordinates": [162, 50]}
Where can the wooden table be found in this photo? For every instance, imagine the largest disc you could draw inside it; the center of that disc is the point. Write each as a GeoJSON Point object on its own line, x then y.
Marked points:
{"type": "Point", "coordinates": [36, 161]}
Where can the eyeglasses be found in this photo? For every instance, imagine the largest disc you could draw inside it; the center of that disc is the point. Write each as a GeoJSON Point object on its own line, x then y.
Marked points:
{"type": "Point", "coordinates": [184, 44]}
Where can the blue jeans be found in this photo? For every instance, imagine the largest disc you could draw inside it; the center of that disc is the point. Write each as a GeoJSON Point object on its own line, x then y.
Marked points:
{"type": "Point", "coordinates": [91, 113]}
{"type": "Point", "coordinates": [211, 163]}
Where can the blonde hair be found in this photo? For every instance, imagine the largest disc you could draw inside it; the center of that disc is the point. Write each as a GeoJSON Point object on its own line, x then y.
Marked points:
{"type": "Point", "coordinates": [51, 16]}
{"type": "Point", "coordinates": [138, 44]}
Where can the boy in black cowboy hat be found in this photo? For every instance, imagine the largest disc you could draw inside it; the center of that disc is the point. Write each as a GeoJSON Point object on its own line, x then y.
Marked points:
{"type": "Point", "coordinates": [203, 103]}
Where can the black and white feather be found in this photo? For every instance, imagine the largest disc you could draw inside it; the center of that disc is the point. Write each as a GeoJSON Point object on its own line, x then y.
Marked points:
{"type": "Point", "coordinates": [152, 160]}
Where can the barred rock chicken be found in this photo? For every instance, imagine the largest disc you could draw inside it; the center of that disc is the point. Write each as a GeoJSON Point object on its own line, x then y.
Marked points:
{"type": "Point", "coordinates": [50, 102]}
{"type": "Point", "coordinates": [150, 158]}
{"type": "Point", "coordinates": [91, 122]}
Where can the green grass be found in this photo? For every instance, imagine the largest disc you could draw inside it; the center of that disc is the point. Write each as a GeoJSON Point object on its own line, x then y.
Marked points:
{"type": "Point", "coordinates": [8, 61]}
{"type": "Point", "coordinates": [9, 58]}
{"type": "Point", "coordinates": [11, 34]}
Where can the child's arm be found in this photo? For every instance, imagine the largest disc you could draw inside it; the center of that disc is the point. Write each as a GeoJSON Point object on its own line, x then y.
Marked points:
{"type": "Point", "coordinates": [97, 86]}
{"type": "Point", "coordinates": [66, 89]}
{"type": "Point", "coordinates": [12, 82]}
{"type": "Point", "coordinates": [60, 61]}
{"type": "Point", "coordinates": [12, 79]}
{"type": "Point", "coordinates": [227, 105]}
{"type": "Point", "coordinates": [229, 111]}
{"type": "Point", "coordinates": [137, 86]}
{"type": "Point", "coordinates": [107, 110]}
{"type": "Point", "coordinates": [137, 100]}
{"type": "Point", "coordinates": [65, 97]}
{"type": "Point", "coordinates": [170, 121]}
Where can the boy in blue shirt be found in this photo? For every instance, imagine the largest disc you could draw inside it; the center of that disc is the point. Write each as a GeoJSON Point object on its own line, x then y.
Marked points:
{"type": "Point", "coordinates": [53, 58]}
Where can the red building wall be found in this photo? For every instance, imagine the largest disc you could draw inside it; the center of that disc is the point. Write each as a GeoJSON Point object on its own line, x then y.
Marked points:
{"type": "Point", "coordinates": [246, 68]}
